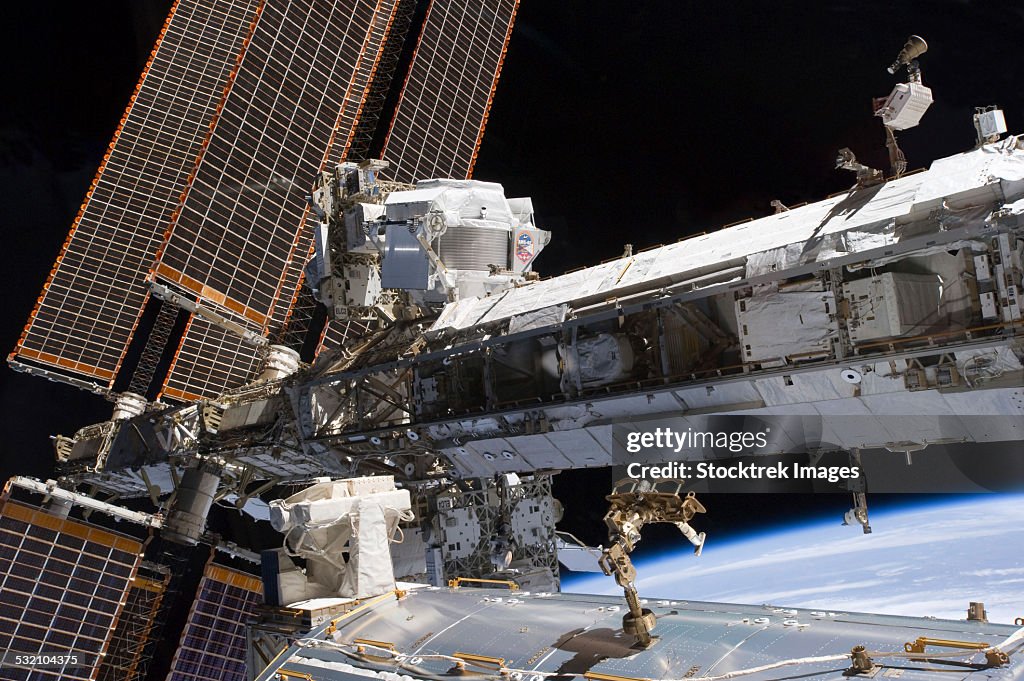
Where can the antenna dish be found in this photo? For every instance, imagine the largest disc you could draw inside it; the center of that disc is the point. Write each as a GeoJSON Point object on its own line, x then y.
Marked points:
{"type": "Point", "coordinates": [912, 49]}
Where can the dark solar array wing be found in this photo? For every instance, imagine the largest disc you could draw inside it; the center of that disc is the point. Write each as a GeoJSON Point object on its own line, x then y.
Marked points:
{"type": "Point", "coordinates": [347, 129]}
{"type": "Point", "coordinates": [92, 300]}
{"type": "Point", "coordinates": [209, 361]}
{"type": "Point", "coordinates": [200, 367]}
{"type": "Point", "coordinates": [362, 79]}
{"type": "Point", "coordinates": [341, 332]}
{"type": "Point", "coordinates": [439, 122]}
{"type": "Point", "coordinates": [212, 645]}
{"type": "Point", "coordinates": [236, 232]}
{"type": "Point", "coordinates": [348, 124]}
{"type": "Point", "coordinates": [126, 656]}
{"type": "Point", "coordinates": [62, 585]}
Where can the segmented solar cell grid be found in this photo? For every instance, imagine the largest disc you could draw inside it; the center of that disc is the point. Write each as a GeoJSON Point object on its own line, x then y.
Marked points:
{"type": "Point", "coordinates": [213, 643]}
{"type": "Point", "coordinates": [340, 332]}
{"type": "Point", "coordinates": [209, 361]}
{"type": "Point", "coordinates": [338, 151]}
{"type": "Point", "coordinates": [62, 583]}
{"type": "Point", "coordinates": [196, 371]}
{"type": "Point", "coordinates": [366, 68]}
{"type": "Point", "coordinates": [92, 301]}
{"type": "Point", "coordinates": [439, 122]}
{"type": "Point", "coordinates": [236, 231]}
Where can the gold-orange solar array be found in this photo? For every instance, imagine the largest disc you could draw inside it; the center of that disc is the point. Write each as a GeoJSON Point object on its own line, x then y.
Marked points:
{"type": "Point", "coordinates": [91, 303]}
{"type": "Point", "coordinates": [440, 119]}
{"type": "Point", "coordinates": [338, 151]}
{"type": "Point", "coordinates": [240, 239]}
{"type": "Point", "coordinates": [126, 657]}
{"type": "Point", "coordinates": [439, 123]}
{"type": "Point", "coordinates": [204, 184]}
{"type": "Point", "coordinates": [209, 361]}
{"type": "Point", "coordinates": [62, 588]}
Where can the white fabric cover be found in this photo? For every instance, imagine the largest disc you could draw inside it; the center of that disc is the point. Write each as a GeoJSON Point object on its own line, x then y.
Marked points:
{"type": "Point", "coordinates": [370, 570]}
{"type": "Point", "coordinates": [774, 325]}
{"type": "Point", "coordinates": [456, 200]}
{"type": "Point", "coordinates": [343, 529]}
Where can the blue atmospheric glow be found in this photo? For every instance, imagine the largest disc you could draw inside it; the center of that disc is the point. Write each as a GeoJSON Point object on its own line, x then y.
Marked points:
{"type": "Point", "coordinates": [820, 564]}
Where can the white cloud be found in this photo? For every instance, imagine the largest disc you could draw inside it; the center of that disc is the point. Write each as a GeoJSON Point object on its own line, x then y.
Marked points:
{"type": "Point", "coordinates": [918, 562]}
{"type": "Point", "coordinates": [995, 572]}
{"type": "Point", "coordinates": [799, 595]}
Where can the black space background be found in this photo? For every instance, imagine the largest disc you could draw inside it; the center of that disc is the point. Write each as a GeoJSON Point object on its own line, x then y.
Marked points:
{"type": "Point", "coordinates": [626, 122]}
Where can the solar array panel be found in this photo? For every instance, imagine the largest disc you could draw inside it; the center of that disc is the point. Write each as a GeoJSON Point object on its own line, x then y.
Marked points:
{"type": "Point", "coordinates": [62, 588]}
{"type": "Point", "coordinates": [339, 332]}
{"type": "Point", "coordinates": [242, 239]}
{"type": "Point", "coordinates": [439, 123]}
{"type": "Point", "coordinates": [126, 657]}
{"type": "Point", "coordinates": [209, 361]}
{"type": "Point", "coordinates": [205, 180]}
{"type": "Point", "coordinates": [362, 79]}
{"type": "Point", "coordinates": [93, 298]}
{"type": "Point", "coordinates": [235, 233]}
{"type": "Point", "coordinates": [213, 642]}
{"type": "Point", "coordinates": [346, 132]}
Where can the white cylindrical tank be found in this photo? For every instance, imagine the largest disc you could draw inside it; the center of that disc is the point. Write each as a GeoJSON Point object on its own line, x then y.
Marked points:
{"type": "Point", "coordinates": [128, 405]}
{"type": "Point", "coordinates": [281, 361]}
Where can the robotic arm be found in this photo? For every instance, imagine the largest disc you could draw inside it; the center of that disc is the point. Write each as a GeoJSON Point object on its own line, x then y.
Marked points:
{"type": "Point", "coordinates": [632, 507]}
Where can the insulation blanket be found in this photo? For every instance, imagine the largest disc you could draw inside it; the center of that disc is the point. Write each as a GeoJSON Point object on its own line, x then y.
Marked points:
{"type": "Point", "coordinates": [370, 571]}
{"type": "Point", "coordinates": [774, 325]}
{"type": "Point", "coordinates": [343, 529]}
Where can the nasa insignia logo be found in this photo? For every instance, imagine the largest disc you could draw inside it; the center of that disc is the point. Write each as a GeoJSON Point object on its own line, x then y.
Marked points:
{"type": "Point", "coordinates": [524, 247]}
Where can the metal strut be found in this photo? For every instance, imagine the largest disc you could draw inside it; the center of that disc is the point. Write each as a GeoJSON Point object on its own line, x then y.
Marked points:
{"type": "Point", "coordinates": [297, 325]}
{"type": "Point", "coordinates": [207, 312]}
{"type": "Point", "coordinates": [153, 351]}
